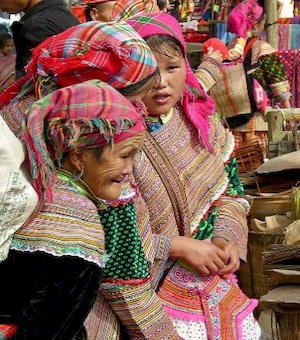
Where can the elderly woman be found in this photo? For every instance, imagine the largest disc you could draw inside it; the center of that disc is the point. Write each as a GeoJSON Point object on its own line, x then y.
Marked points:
{"type": "Point", "coordinates": [81, 141]}
{"type": "Point", "coordinates": [112, 53]}
{"type": "Point", "coordinates": [109, 52]}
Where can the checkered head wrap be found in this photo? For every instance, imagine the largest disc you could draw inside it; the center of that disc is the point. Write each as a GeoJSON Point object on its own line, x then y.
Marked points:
{"type": "Point", "coordinates": [197, 105]}
{"type": "Point", "coordinates": [125, 9]}
{"type": "Point", "coordinates": [91, 114]}
{"type": "Point", "coordinates": [111, 52]}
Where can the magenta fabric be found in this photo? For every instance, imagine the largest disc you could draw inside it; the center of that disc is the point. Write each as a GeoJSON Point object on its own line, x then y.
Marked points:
{"type": "Point", "coordinates": [243, 17]}
{"type": "Point", "coordinates": [291, 63]}
{"type": "Point", "coordinates": [197, 105]}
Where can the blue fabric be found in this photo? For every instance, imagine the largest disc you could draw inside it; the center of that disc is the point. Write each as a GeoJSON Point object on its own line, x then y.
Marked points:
{"type": "Point", "coordinates": [295, 37]}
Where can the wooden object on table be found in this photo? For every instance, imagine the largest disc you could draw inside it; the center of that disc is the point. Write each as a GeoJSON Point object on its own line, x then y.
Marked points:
{"type": "Point", "coordinates": [286, 302]}
{"type": "Point", "coordinates": [280, 140]}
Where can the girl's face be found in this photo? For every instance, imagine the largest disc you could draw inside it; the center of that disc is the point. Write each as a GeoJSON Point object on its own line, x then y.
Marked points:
{"type": "Point", "coordinates": [168, 91]}
{"type": "Point", "coordinates": [8, 48]}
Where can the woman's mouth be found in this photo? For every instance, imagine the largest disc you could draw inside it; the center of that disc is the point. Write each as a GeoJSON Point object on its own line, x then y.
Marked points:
{"type": "Point", "coordinates": [120, 180]}
{"type": "Point", "coordinates": [161, 98]}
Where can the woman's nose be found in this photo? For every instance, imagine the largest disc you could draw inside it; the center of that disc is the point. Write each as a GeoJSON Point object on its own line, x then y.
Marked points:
{"type": "Point", "coordinates": [128, 167]}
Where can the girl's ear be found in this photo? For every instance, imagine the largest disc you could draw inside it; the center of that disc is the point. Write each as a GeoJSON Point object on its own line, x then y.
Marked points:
{"type": "Point", "coordinates": [76, 159]}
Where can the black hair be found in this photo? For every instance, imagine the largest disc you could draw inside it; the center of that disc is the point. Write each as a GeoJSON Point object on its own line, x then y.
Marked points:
{"type": "Point", "coordinates": [4, 37]}
{"type": "Point", "coordinates": [87, 11]}
{"type": "Point", "coordinates": [261, 18]}
{"type": "Point", "coordinates": [137, 88]}
{"type": "Point", "coordinates": [162, 4]}
{"type": "Point", "coordinates": [163, 43]}
{"type": "Point", "coordinates": [98, 5]}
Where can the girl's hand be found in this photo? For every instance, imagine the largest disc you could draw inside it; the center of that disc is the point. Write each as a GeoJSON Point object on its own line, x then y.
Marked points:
{"type": "Point", "coordinates": [231, 251]}
{"type": "Point", "coordinates": [203, 256]}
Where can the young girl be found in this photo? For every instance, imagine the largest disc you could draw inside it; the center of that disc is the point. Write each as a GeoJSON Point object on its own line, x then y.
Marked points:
{"type": "Point", "coordinates": [7, 60]}
{"type": "Point", "coordinates": [190, 183]}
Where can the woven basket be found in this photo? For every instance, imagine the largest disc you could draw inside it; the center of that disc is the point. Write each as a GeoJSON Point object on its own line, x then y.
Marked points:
{"type": "Point", "coordinates": [288, 323]}
{"type": "Point", "coordinates": [259, 242]}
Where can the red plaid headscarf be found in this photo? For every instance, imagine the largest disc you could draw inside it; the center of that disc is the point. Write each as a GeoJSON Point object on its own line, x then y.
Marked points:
{"type": "Point", "coordinates": [125, 9]}
{"type": "Point", "coordinates": [91, 114]}
{"type": "Point", "coordinates": [111, 52]}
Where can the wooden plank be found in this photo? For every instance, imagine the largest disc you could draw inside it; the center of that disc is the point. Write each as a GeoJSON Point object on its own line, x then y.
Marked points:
{"type": "Point", "coordinates": [272, 26]}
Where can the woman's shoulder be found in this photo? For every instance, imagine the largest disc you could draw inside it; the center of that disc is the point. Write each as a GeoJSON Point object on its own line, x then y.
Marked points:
{"type": "Point", "coordinates": [261, 48]}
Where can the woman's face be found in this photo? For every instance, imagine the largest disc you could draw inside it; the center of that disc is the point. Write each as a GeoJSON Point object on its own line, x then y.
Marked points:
{"type": "Point", "coordinates": [168, 91]}
{"type": "Point", "coordinates": [105, 176]}
{"type": "Point", "coordinates": [8, 48]}
{"type": "Point", "coordinates": [260, 26]}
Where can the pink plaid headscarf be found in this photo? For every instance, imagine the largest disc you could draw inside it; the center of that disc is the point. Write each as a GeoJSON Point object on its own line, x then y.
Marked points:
{"type": "Point", "coordinates": [243, 17]}
{"type": "Point", "coordinates": [91, 114]}
{"type": "Point", "coordinates": [197, 105]}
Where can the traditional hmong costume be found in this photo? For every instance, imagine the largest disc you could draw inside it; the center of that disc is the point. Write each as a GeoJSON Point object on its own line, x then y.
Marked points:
{"type": "Point", "coordinates": [59, 255]}
{"type": "Point", "coordinates": [190, 183]}
{"type": "Point", "coordinates": [89, 51]}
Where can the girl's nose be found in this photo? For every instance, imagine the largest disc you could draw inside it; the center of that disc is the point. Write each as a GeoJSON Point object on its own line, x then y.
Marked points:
{"type": "Point", "coordinates": [162, 83]}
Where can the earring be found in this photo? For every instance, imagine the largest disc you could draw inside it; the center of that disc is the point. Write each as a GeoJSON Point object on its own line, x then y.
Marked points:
{"type": "Point", "coordinates": [77, 175]}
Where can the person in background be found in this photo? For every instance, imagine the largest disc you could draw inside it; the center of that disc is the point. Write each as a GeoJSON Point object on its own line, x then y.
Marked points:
{"type": "Point", "coordinates": [285, 11]}
{"type": "Point", "coordinates": [7, 60]}
{"type": "Point", "coordinates": [186, 10]}
{"type": "Point", "coordinates": [88, 10]}
{"type": "Point", "coordinates": [162, 5]}
{"type": "Point", "coordinates": [111, 10]}
{"type": "Point", "coordinates": [42, 19]}
{"type": "Point", "coordinates": [80, 143]}
{"type": "Point", "coordinates": [247, 21]}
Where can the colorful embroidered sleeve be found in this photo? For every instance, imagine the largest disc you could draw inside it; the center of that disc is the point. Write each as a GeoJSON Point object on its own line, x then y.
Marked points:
{"type": "Point", "coordinates": [231, 220]}
{"type": "Point", "coordinates": [272, 76]}
{"type": "Point", "coordinates": [208, 73]}
{"type": "Point", "coordinates": [156, 246]}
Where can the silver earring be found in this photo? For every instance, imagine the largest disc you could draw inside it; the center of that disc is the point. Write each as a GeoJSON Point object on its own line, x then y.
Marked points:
{"type": "Point", "coordinates": [77, 175]}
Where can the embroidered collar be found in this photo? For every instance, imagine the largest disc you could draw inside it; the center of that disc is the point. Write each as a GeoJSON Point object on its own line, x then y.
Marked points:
{"type": "Point", "coordinates": [156, 122]}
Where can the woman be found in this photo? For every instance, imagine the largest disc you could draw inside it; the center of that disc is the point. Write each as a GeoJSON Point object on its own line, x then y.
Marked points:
{"type": "Point", "coordinates": [80, 144]}
{"type": "Point", "coordinates": [189, 181]}
{"type": "Point", "coordinates": [84, 52]}
{"type": "Point", "coordinates": [117, 54]}
{"type": "Point", "coordinates": [247, 21]}
{"type": "Point", "coordinates": [7, 60]}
